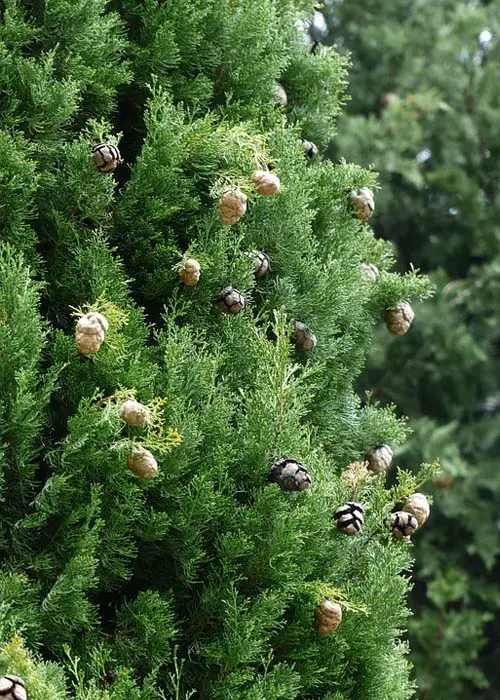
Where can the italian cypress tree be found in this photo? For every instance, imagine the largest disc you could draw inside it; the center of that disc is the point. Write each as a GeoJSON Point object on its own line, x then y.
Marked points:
{"type": "Point", "coordinates": [204, 580]}
{"type": "Point", "coordinates": [425, 112]}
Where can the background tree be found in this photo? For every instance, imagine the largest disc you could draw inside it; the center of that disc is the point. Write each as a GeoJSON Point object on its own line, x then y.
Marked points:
{"type": "Point", "coordinates": [425, 112]}
{"type": "Point", "coordinates": [204, 580]}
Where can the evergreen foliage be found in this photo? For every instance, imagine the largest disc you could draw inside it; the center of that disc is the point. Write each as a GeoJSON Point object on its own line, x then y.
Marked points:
{"type": "Point", "coordinates": [203, 581]}
{"type": "Point", "coordinates": [424, 113]}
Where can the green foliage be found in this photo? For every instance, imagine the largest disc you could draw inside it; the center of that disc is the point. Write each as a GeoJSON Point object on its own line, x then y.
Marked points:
{"type": "Point", "coordinates": [56, 61]}
{"type": "Point", "coordinates": [19, 609]}
{"type": "Point", "coordinates": [44, 679]}
{"type": "Point", "coordinates": [316, 85]}
{"type": "Point", "coordinates": [145, 629]}
{"type": "Point", "coordinates": [25, 393]}
{"type": "Point", "coordinates": [17, 188]}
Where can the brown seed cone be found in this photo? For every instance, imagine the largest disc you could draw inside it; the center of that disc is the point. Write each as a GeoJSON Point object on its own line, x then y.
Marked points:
{"type": "Point", "coordinates": [363, 203]}
{"type": "Point", "coordinates": [260, 263]}
{"type": "Point", "coordinates": [399, 320]}
{"type": "Point", "coordinates": [134, 413]}
{"type": "Point", "coordinates": [190, 280]}
{"type": "Point", "coordinates": [310, 149]}
{"type": "Point", "coordinates": [370, 271]}
{"type": "Point", "coordinates": [232, 206]}
{"type": "Point", "coordinates": [289, 474]}
{"type": "Point", "coordinates": [350, 518]}
{"type": "Point", "coordinates": [105, 157]}
{"type": "Point", "coordinates": [303, 337]}
{"type": "Point", "coordinates": [444, 482]}
{"type": "Point", "coordinates": [418, 505]}
{"type": "Point", "coordinates": [142, 463]}
{"type": "Point", "coordinates": [230, 301]}
{"type": "Point", "coordinates": [280, 94]}
{"type": "Point", "coordinates": [327, 617]}
{"type": "Point", "coordinates": [390, 99]}
{"type": "Point", "coordinates": [379, 459]}
{"type": "Point", "coordinates": [266, 183]}
{"type": "Point", "coordinates": [90, 331]}
{"type": "Point", "coordinates": [12, 688]}
{"type": "Point", "coordinates": [403, 525]}
{"type": "Point", "coordinates": [190, 272]}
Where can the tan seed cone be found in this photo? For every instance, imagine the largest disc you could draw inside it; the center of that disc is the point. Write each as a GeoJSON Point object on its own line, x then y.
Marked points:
{"type": "Point", "coordinates": [390, 99]}
{"type": "Point", "coordinates": [289, 474]}
{"type": "Point", "coordinates": [310, 149]}
{"type": "Point", "coordinates": [370, 271]}
{"type": "Point", "coordinates": [327, 617]}
{"type": "Point", "coordinates": [350, 518]}
{"type": "Point", "coordinates": [280, 94]}
{"type": "Point", "coordinates": [230, 301]}
{"type": "Point", "coordinates": [266, 183]}
{"type": "Point", "coordinates": [260, 263]}
{"type": "Point", "coordinates": [363, 203]}
{"type": "Point", "coordinates": [90, 331]}
{"type": "Point", "coordinates": [190, 280]}
{"type": "Point", "coordinates": [134, 413]}
{"type": "Point", "coordinates": [379, 459]}
{"type": "Point", "coordinates": [232, 206]}
{"type": "Point", "coordinates": [190, 272]}
{"type": "Point", "coordinates": [142, 463]}
{"type": "Point", "coordinates": [418, 505]}
{"type": "Point", "coordinates": [399, 320]}
{"type": "Point", "coordinates": [403, 525]}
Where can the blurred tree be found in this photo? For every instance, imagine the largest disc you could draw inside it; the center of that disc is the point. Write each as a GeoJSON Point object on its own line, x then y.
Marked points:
{"type": "Point", "coordinates": [425, 112]}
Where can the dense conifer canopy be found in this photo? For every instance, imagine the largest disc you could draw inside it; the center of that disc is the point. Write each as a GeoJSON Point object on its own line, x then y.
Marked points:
{"type": "Point", "coordinates": [202, 581]}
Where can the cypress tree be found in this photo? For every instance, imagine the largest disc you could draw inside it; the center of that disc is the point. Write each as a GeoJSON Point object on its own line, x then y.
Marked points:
{"type": "Point", "coordinates": [205, 578]}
